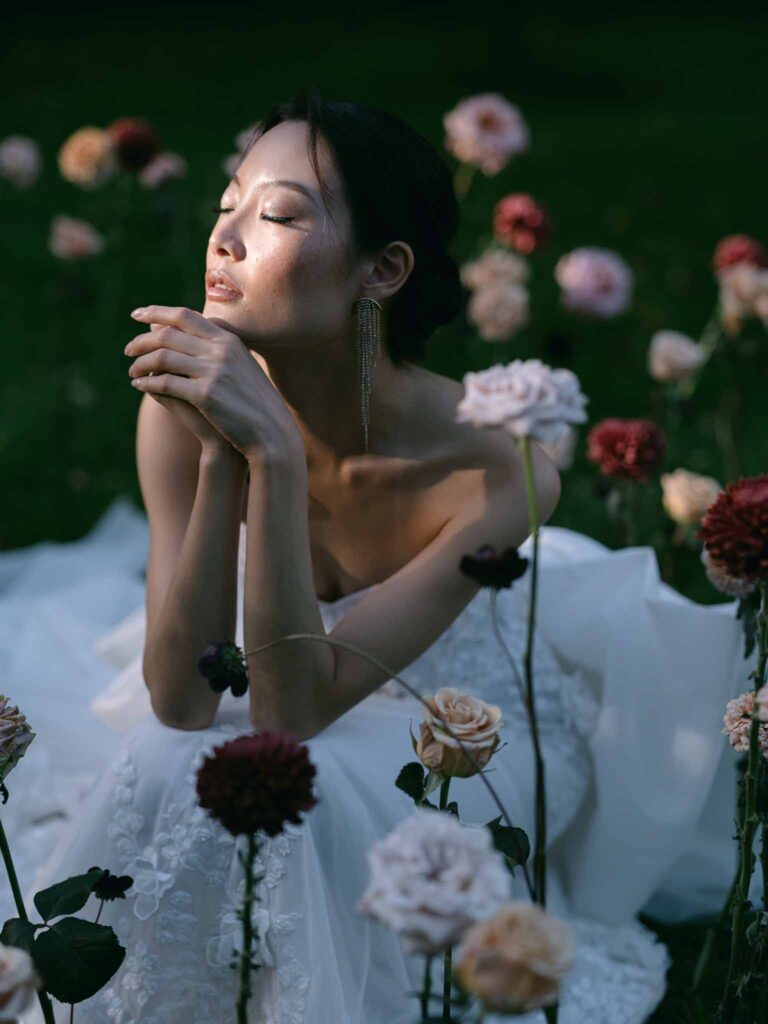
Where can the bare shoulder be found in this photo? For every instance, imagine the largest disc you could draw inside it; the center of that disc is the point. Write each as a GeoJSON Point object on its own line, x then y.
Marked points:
{"type": "Point", "coordinates": [483, 462]}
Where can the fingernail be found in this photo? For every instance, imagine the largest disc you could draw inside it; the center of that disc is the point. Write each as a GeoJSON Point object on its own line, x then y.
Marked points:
{"type": "Point", "coordinates": [138, 312]}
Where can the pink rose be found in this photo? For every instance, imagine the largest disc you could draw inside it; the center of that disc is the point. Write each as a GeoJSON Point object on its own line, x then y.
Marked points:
{"type": "Point", "coordinates": [20, 161]}
{"type": "Point", "coordinates": [71, 239]}
{"type": "Point", "coordinates": [485, 130]}
{"type": "Point", "coordinates": [594, 281]}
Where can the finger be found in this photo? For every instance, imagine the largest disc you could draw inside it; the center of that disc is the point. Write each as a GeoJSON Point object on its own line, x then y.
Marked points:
{"type": "Point", "coordinates": [170, 385]}
{"type": "Point", "coordinates": [163, 336]}
{"type": "Point", "coordinates": [185, 319]}
{"type": "Point", "coordinates": [166, 360]}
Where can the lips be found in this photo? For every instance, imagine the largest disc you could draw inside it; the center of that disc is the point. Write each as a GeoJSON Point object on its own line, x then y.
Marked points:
{"type": "Point", "coordinates": [218, 279]}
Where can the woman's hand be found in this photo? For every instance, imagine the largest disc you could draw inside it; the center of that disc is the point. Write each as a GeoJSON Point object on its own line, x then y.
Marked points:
{"type": "Point", "coordinates": [201, 365]}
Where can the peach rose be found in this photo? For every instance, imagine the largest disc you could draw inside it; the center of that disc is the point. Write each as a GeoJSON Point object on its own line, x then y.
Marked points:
{"type": "Point", "coordinates": [18, 982]}
{"type": "Point", "coordinates": [673, 356]}
{"type": "Point", "coordinates": [474, 721]}
{"type": "Point", "coordinates": [514, 961]}
{"type": "Point", "coordinates": [686, 496]}
{"type": "Point", "coordinates": [88, 157]}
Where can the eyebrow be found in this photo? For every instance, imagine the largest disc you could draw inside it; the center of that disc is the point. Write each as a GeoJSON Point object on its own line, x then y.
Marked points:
{"type": "Point", "coordinates": [285, 182]}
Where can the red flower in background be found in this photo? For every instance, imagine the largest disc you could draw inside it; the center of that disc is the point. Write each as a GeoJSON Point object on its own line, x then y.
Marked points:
{"type": "Point", "coordinates": [135, 140]}
{"type": "Point", "coordinates": [628, 449]}
{"type": "Point", "coordinates": [735, 528]}
{"type": "Point", "coordinates": [735, 249]}
{"type": "Point", "coordinates": [255, 782]}
{"type": "Point", "coordinates": [520, 223]}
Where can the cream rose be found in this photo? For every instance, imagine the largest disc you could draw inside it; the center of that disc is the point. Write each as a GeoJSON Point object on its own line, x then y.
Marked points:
{"type": "Point", "coordinates": [515, 961]}
{"type": "Point", "coordinates": [499, 311]}
{"type": "Point", "coordinates": [18, 982]}
{"type": "Point", "coordinates": [673, 356]}
{"type": "Point", "coordinates": [471, 719]}
{"type": "Point", "coordinates": [88, 158]}
{"type": "Point", "coordinates": [15, 736]}
{"type": "Point", "coordinates": [686, 496]}
{"type": "Point", "coordinates": [494, 267]}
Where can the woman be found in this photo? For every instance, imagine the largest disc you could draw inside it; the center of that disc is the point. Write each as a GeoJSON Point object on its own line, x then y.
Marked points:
{"type": "Point", "coordinates": [285, 496]}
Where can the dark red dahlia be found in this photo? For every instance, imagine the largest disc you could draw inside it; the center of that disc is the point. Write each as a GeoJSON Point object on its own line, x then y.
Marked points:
{"type": "Point", "coordinates": [492, 570]}
{"type": "Point", "coordinates": [136, 142]}
{"type": "Point", "coordinates": [257, 782]}
{"type": "Point", "coordinates": [628, 449]}
{"type": "Point", "coordinates": [111, 887]}
{"type": "Point", "coordinates": [739, 249]}
{"type": "Point", "coordinates": [735, 528]}
{"type": "Point", "coordinates": [520, 223]}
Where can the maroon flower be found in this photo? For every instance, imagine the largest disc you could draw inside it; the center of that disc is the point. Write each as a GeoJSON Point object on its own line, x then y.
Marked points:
{"type": "Point", "coordinates": [735, 528]}
{"type": "Point", "coordinates": [111, 887]}
{"type": "Point", "coordinates": [520, 223]}
{"type": "Point", "coordinates": [135, 140]}
{"type": "Point", "coordinates": [739, 249]}
{"type": "Point", "coordinates": [628, 449]}
{"type": "Point", "coordinates": [492, 570]}
{"type": "Point", "coordinates": [259, 781]}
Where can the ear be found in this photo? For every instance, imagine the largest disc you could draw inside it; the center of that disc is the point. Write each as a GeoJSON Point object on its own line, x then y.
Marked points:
{"type": "Point", "coordinates": [390, 271]}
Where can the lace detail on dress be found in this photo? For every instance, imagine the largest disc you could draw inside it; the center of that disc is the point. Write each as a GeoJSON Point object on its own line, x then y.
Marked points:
{"type": "Point", "coordinates": [190, 853]}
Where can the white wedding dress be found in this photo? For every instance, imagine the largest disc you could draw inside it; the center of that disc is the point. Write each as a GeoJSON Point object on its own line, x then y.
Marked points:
{"type": "Point", "coordinates": [631, 682]}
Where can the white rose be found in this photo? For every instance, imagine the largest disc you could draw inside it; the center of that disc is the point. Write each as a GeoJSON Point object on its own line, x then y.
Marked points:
{"type": "Point", "coordinates": [20, 160]}
{"type": "Point", "coordinates": [673, 356]}
{"type": "Point", "coordinates": [18, 982]}
{"type": "Point", "coordinates": [686, 496]}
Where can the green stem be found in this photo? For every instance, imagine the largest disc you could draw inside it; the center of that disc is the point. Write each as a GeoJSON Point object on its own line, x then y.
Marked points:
{"type": "Point", "coordinates": [245, 956]}
{"type": "Point", "coordinates": [426, 991]}
{"type": "Point", "coordinates": [463, 179]}
{"type": "Point", "coordinates": [101, 907]}
{"type": "Point", "coordinates": [747, 832]}
{"type": "Point", "coordinates": [540, 846]}
{"type": "Point", "coordinates": [708, 342]}
{"type": "Point", "coordinates": [444, 786]}
{"type": "Point", "coordinates": [45, 1003]}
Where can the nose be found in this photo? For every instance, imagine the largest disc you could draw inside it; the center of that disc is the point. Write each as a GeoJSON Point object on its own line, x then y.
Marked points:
{"type": "Point", "coordinates": [223, 242]}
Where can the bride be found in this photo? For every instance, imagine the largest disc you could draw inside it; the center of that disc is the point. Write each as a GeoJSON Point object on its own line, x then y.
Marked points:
{"type": "Point", "coordinates": [301, 476]}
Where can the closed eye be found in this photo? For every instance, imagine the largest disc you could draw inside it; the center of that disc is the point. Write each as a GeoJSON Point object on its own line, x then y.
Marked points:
{"type": "Point", "coordinates": [277, 220]}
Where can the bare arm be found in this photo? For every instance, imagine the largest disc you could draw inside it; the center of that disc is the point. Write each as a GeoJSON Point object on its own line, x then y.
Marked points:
{"type": "Point", "coordinates": [192, 565]}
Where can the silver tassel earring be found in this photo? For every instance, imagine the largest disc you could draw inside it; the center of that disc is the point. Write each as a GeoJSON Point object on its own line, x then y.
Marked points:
{"type": "Point", "coordinates": [368, 351]}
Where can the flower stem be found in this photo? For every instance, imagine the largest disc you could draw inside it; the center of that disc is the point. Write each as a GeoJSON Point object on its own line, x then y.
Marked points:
{"type": "Point", "coordinates": [747, 831]}
{"type": "Point", "coordinates": [708, 343]}
{"type": "Point", "coordinates": [508, 653]}
{"type": "Point", "coordinates": [463, 179]}
{"type": "Point", "coordinates": [45, 1003]}
{"type": "Point", "coordinates": [426, 991]}
{"type": "Point", "coordinates": [101, 907]}
{"type": "Point", "coordinates": [539, 856]}
{"type": "Point", "coordinates": [444, 786]}
{"type": "Point", "coordinates": [245, 956]}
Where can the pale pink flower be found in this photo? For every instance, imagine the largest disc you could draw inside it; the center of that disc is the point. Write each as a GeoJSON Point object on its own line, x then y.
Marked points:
{"type": "Point", "coordinates": [20, 161]}
{"type": "Point", "coordinates": [476, 723]}
{"type": "Point", "coordinates": [562, 451]}
{"type": "Point", "coordinates": [733, 586]}
{"type": "Point", "coordinates": [526, 397]}
{"type": "Point", "coordinates": [738, 722]}
{"type": "Point", "coordinates": [686, 496]}
{"type": "Point", "coordinates": [18, 982]}
{"type": "Point", "coordinates": [71, 239]}
{"type": "Point", "coordinates": [431, 877]}
{"type": "Point", "coordinates": [743, 294]}
{"type": "Point", "coordinates": [164, 167]}
{"type": "Point", "coordinates": [494, 267]}
{"type": "Point", "coordinates": [672, 356]}
{"type": "Point", "coordinates": [594, 281]}
{"type": "Point", "coordinates": [485, 130]}
{"type": "Point", "coordinates": [498, 311]}
{"type": "Point", "coordinates": [762, 703]}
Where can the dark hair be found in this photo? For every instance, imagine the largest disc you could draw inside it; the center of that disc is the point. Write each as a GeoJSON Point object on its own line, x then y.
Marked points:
{"type": "Point", "coordinates": [398, 187]}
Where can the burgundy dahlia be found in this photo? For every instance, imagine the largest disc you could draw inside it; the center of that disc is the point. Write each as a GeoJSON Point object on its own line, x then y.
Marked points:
{"type": "Point", "coordinates": [135, 140]}
{"type": "Point", "coordinates": [492, 570]}
{"type": "Point", "coordinates": [111, 887]}
{"type": "Point", "coordinates": [735, 528]}
{"type": "Point", "coordinates": [520, 223]}
{"type": "Point", "coordinates": [257, 782]}
{"type": "Point", "coordinates": [628, 449]}
{"type": "Point", "coordinates": [739, 249]}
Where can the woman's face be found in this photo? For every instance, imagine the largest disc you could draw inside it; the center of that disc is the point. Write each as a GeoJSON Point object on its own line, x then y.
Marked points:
{"type": "Point", "coordinates": [281, 249]}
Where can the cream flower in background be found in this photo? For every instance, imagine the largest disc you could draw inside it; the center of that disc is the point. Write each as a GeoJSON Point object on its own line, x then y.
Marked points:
{"type": "Point", "coordinates": [20, 161]}
{"type": "Point", "coordinates": [526, 397]}
{"type": "Point", "coordinates": [686, 496]}
{"type": "Point", "coordinates": [18, 983]}
{"type": "Point", "coordinates": [72, 239]}
{"type": "Point", "coordinates": [485, 130]}
{"type": "Point", "coordinates": [516, 960]}
{"type": "Point", "coordinates": [594, 281]}
{"type": "Point", "coordinates": [673, 356]}
{"type": "Point", "coordinates": [88, 157]}
{"type": "Point", "coordinates": [495, 267]}
{"type": "Point", "coordinates": [431, 877]}
{"type": "Point", "coordinates": [498, 312]}
{"type": "Point", "coordinates": [743, 294]}
{"type": "Point", "coordinates": [15, 736]}
{"type": "Point", "coordinates": [476, 723]}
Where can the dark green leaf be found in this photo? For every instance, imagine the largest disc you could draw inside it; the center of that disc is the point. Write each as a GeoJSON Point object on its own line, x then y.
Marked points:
{"type": "Point", "coordinates": [452, 808]}
{"type": "Point", "coordinates": [18, 933]}
{"type": "Point", "coordinates": [76, 958]}
{"type": "Point", "coordinates": [68, 896]}
{"type": "Point", "coordinates": [411, 780]}
{"type": "Point", "coordinates": [512, 842]}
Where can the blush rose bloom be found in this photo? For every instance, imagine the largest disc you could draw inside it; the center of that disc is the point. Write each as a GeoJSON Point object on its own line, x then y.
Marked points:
{"type": "Point", "coordinates": [515, 961]}
{"type": "Point", "coordinates": [485, 130]}
{"type": "Point", "coordinates": [594, 281]}
{"type": "Point", "coordinates": [431, 876]}
{"type": "Point", "coordinates": [499, 312]}
{"type": "Point", "coordinates": [476, 723]}
{"type": "Point", "coordinates": [88, 157]}
{"type": "Point", "coordinates": [71, 238]}
{"type": "Point", "coordinates": [495, 267]}
{"type": "Point", "coordinates": [686, 496]}
{"type": "Point", "coordinates": [20, 161]}
{"type": "Point", "coordinates": [164, 167]}
{"type": "Point", "coordinates": [738, 722]}
{"type": "Point", "coordinates": [18, 983]}
{"type": "Point", "coordinates": [526, 397]}
{"type": "Point", "coordinates": [673, 356]}
{"type": "Point", "coordinates": [743, 294]}
{"type": "Point", "coordinates": [15, 736]}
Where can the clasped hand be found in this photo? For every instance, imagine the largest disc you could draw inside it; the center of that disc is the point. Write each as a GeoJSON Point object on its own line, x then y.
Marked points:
{"type": "Point", "coordinates": [195, 359]}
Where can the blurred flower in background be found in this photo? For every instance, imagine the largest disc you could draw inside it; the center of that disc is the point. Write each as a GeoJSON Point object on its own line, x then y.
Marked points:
{"type": "Point", "coordinates": [686, 496]}
{"type": "Point", "coordinates": [87, 158]}
{"type": "Point", "coordinates": [20, 161]}
{"type": "Point", "coordinates": [626, 449]}
{"type": "Point", "coordinates": [673, 356]}
{"type": "Point", "coordinates": [71, 238]}
{"type": "Point", "coordinates": [485, 130]}
{"type": "Point", "coordinates": [135, 142]}
{"type": "Point", "coordinates": [164, 167]}
{"type": "Point", "coordinates": [734, 249]}
{"type": "Point", "coordinates": [521, 223]}
{"type": "Point", "coordinates": [595, 281]}
{"type": "Point", "coordinates": [229, 163]}
{"type": "Point", "coordinates": [500, 311]}
{"type": "Point", "coordinates": [743, 294]}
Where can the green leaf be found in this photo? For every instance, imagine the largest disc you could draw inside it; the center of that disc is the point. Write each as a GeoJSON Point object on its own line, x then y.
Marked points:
{"type": "Point", "coordinates": [433, 782]}
{"type": "Point", "coordinates": [411, 780]}
{"type": "Point", "coordinates": [18, 933]}
{"type": "Point", "coordinates": [512, 842]}
{"type": "Point", "coordinates": [68, 896]}
{"type": "Point", "coordinates": [76, 958]}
